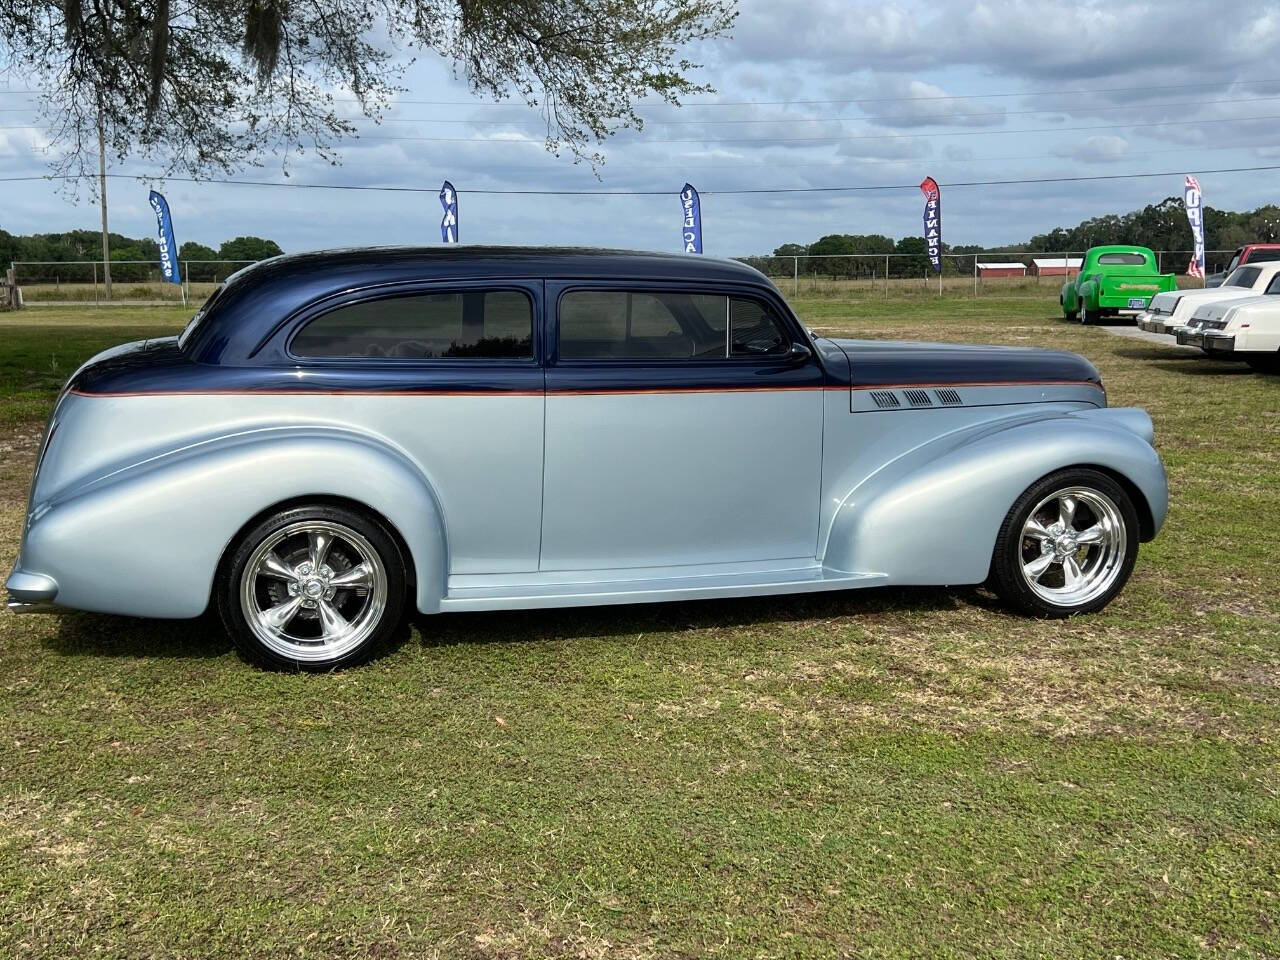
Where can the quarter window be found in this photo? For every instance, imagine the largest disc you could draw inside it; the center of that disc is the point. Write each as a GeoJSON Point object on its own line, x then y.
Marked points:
{"type": "Point", "coordinates": [643, 325]}
{"type": "Point", "coordinates": [475, 324]}
{"type": "Point", "coordinates": [1274, 286]}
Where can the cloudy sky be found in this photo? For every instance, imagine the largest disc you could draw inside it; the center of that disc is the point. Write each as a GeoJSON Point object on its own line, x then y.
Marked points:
{"type": "Point", "coordinates": [819, 93]}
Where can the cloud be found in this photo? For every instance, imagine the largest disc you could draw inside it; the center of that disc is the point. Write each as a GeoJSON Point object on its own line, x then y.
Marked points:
{"type": "Point", "coordinates": [1096, 149]}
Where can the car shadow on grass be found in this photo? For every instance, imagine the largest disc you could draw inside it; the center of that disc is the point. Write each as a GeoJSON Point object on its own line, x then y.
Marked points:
{"type": "Point", "coordinates": [568, 623]}
{"type": "Point", "coordinates": [100, 635]}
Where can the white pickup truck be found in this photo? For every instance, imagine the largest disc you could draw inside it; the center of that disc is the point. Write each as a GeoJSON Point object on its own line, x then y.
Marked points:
{"type": "Point", "coordinates": [1169, 311]}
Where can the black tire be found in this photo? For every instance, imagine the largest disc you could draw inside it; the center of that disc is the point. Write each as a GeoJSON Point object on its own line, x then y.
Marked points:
{"type": "Point", "coordinates": [379, 608]}
{"type": "Point", "coordinates": [1264, 362]}
{"type": "Point", "coordinates": [1086, 316]}
{"type": "Point", "coordinates": [1013, 546]}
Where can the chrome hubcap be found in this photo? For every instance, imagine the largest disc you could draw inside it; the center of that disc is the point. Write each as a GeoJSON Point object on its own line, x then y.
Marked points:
{"type": "Point", "coordinates": [1073, 546]}
{"type": "Point", "coordinates": [313, 590]}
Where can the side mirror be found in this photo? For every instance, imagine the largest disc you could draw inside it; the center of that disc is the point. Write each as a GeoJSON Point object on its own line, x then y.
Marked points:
{"type": "Point", "coordinates": [798, 353]}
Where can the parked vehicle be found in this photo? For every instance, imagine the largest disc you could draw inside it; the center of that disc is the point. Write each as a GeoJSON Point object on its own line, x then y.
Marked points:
{"type": "Point", "coordinates": [1249, 253]}
{"type": "Point", "coordinates": [1246, 330]}
{"type": "Point", "coordinates": [336, 436]}
{"type": "Point", "coordinates": [1114, 280]}
{"type": "Point", "coordinates": [1170, 311]}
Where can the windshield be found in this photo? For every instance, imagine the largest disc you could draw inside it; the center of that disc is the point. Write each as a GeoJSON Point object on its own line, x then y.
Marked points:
{"type": "Point", "coordinates": [200, 314]}
{"type": "Point", "coordinates": [1243, 277]}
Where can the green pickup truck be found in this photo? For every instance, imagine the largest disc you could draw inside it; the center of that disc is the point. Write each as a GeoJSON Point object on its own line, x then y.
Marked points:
{"type": "Point", "coordinates": [1114, 280]}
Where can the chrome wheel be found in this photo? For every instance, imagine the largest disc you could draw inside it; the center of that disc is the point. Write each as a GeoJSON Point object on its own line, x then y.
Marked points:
{"type": "Point", "coordinates": [1073, 546]}
{"type": "Point", "coordinates": [313, 590]}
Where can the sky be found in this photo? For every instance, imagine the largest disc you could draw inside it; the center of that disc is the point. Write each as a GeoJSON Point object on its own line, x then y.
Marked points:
{"type": "Point", "coordinates": [820, 93]}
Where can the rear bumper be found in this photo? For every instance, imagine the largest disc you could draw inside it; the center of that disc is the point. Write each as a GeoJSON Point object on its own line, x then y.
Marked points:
{"type": "Point", "coordinates": [1189, 338]}
{"type": "Point", "coordinates": [1152, 325]}
{"type": "Point", "coordinates": [31, 592]}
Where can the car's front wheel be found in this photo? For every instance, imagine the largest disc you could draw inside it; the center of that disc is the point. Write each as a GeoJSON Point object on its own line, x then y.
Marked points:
{"type": "Point", "coordinates": [1067, 545]}
{"type": "Point", "coordinates": [313, 587]}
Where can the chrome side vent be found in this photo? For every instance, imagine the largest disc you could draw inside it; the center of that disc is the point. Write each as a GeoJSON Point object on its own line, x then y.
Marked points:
{"type": "Point", "coordinates": [885, 399]}
{"type": "Point", "coordinates": [947, 397]}
{"type": "Point", "coordinates": [918, 398]}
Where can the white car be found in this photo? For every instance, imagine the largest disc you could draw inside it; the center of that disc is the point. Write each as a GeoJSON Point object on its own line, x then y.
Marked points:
{"type": "Point", "coordinates": [1173, 309]}
{"type": "Point", "coordinates": [1247, 329]}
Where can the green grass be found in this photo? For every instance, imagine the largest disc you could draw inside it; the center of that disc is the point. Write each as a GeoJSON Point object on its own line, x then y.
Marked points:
{"type": "Point", "coordinates": [883, 773]}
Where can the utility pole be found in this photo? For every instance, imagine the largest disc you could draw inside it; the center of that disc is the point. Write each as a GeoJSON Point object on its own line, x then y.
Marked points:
{"type": "Point", "coordinates": [102, 199]}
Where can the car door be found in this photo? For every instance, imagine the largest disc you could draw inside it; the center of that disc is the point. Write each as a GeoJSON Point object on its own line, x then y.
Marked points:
{"type": "Point", "coordinates": [450, 373]}
{"type": "Point", "coordinates": [683, 427]}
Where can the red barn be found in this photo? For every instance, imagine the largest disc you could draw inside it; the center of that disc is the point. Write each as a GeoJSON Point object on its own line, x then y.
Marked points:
{"type": "Point", "coordinates": [1011, 269]}
{"type": "Point", "coordinates": [1056, 266]}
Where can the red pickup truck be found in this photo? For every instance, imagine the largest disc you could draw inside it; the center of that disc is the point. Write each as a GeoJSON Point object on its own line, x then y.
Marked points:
{"type": "Point", "coordinates": [1249, 253]}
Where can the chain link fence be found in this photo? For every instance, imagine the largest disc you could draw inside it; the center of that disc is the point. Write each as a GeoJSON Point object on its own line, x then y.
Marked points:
{"type": "Point", "coordinates": [998, 273]}
{"type": "Point", "coordinates": [133, 282]}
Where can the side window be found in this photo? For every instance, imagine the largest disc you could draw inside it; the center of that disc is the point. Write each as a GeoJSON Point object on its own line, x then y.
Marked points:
{"type": "Point", "coordinates": [476, 324]}
{"type": "Point", "coordinates": [643, 325]}
{"type": "Point", "coordinates": [1274, 286]}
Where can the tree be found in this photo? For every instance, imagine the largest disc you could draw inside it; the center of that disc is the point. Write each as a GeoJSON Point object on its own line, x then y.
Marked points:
{"type": "Point", "coordinates": [917, 260]}
{"type": "Point", "coordinates": [249, 248]}
{"type": "Point", "coordinates": [196, 251]}
{"type": "Point", "coordinates": [211, 85]}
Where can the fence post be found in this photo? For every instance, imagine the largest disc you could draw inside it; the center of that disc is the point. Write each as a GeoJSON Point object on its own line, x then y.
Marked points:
{"type": "Point", "coordinates": [795, 277]}
{"type": "Point", "coordinates": [886, 275]}
{"type": "Point", "coordinates": [975, 275]}
{"type": "Point", "coordinates": [95, 283]}
{"type": "Point", "coordinates": [1159, 261]}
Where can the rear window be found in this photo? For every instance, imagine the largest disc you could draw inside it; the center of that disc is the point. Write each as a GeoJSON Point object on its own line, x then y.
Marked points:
{"type": "Point", "coordinates": [1122, 259]}
{"type": "Point", "coordinates": [472, 324]}
{"type": "Point", "coordinates": [1243, 277]}
{"type": "Point", "coordinates": [1264, 256]}
{"type": "Point", "coordinates": [194, 323]}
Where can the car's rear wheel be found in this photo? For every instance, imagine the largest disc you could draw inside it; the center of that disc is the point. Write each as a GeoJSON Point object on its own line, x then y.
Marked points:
{"type": "Point", "coordinates": [1067, 546]}
{"type": "Point", "coordinates": [314, 588]}
{"type": "Point", "coordinates": [1086, 315]}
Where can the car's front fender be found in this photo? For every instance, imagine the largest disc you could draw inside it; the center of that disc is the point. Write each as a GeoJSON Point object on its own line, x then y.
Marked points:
{"type": "Point", "coordinates": [146, 540]}
{"type": "Point", "coordinates": [932, 516]}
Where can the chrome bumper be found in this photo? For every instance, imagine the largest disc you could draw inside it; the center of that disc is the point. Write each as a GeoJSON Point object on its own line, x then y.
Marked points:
{"type": "Point", "coordinates": [31, 592]}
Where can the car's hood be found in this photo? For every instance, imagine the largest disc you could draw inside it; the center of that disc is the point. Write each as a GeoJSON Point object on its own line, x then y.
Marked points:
{"type": "Point", "coordinates": [892, 363]}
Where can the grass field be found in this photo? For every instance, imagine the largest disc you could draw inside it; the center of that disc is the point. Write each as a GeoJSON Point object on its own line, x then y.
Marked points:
{"type": "Point", "coordinates": [883, 773]}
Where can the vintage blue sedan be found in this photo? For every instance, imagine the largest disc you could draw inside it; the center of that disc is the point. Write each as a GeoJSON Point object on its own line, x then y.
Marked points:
{"type": "Point", "coordinates": [336, 436]}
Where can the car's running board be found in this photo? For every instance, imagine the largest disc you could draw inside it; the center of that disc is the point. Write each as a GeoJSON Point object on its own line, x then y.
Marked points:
{"type": "Point", "coordinates": [577, 594]}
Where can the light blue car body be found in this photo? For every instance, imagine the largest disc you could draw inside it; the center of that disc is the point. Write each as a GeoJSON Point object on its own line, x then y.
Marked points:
{"type": "Point", "coordinates": [874, 470]}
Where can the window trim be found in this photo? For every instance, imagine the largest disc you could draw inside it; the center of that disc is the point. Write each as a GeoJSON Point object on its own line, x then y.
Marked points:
{"type": "Point", "coordinates": [315, 311]}
{"type": "Point", "coordinates": [729, 292]}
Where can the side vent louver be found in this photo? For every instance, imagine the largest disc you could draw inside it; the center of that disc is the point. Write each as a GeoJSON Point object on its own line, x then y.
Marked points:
{"type": "Point", "coordinates": [918, 398]}
{"type": "Point", "coordinates": [884, 399]}
{"type": "Point", "coordinates": [947, 397]}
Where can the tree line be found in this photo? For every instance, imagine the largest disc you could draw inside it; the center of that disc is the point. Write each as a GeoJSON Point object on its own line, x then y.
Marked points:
{"type": "Point", "coordinates": [129, 255]}
{"type": "Point", "coordinates": [1160, 226]}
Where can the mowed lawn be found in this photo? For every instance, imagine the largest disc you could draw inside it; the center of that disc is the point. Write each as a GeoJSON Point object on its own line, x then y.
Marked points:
{"type": "Point", "coordinates": [883, 773]}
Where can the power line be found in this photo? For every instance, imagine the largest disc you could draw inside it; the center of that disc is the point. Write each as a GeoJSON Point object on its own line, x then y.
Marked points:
{"type": "Point", "coordinates": [773, 103]}
{"type": "Point", "coordinates": [923, 119]}
{"type": "Point", "coordinates": [655, 193]}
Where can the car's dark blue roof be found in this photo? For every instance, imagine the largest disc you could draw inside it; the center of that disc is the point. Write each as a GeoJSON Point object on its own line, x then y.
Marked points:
{"type": "Point", "coordinates": [256, 299]}
{"type": "Point", "coordinates": [461, 261]}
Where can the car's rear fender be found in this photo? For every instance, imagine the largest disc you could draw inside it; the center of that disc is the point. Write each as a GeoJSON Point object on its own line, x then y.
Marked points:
{"type": "Point", "coordinates": [146, 540]}
{"type": "Point", "coordinates": [932, 515]}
